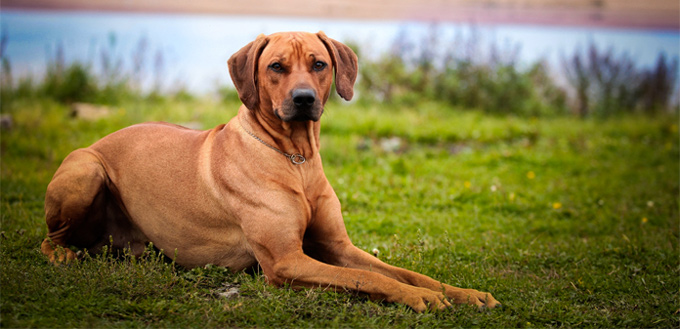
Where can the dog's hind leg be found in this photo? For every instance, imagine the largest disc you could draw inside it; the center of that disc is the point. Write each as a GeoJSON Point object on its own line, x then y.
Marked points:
{"type": "Point", "coordinates": [73, 201]}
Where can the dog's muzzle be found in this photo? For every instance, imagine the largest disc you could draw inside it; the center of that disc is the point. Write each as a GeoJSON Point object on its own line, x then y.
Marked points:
{"type": "Point", "coordinates": [305, 105]}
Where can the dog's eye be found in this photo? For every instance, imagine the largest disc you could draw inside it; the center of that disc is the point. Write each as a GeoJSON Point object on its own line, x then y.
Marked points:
{"type": "Point", "coordinates": [319, 65]}
{"type": "Point", "coordinates": [276, 67]}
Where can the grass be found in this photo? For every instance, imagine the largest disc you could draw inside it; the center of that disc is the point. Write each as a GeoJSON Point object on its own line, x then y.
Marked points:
{"type": "Point", "coordinates": [569, 223]}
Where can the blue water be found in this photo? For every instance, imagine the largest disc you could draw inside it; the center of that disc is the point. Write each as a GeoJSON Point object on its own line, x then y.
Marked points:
{"type": "Point", "coordinates": [195, 48]}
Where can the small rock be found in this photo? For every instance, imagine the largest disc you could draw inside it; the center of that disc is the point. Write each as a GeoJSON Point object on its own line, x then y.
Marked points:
{"type": "Point", "coordinates": [6, 122]}
{"type": "Point", "coordinates": [458, 148]}
{"type": "Point", "coordinates": [195, 125]}
{"type": "Point", "coordinates": [392, 144]}
{"type": "Point", "coordinates": [89, 112]}
{"type": "Point", "coordinates": [228, 292]}
{"type": "Point", "coordinates": [364, 144]}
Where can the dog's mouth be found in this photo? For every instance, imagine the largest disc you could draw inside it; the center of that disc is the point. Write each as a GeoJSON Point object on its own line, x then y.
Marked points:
{"type": "Point", "coordinates": [297, 115]}
{"type": "Point", "coordinates": [305, 117]}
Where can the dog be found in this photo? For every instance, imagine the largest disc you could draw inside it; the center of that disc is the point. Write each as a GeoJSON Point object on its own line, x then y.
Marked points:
{"type": "Point", "coordinates": [248, 192]}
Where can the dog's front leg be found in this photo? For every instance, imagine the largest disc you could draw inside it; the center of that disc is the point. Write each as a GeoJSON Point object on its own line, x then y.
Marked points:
{"type": "Point", "coordinates": [326, 239]}
{"type": "Point", "coordinates": [299, 270]}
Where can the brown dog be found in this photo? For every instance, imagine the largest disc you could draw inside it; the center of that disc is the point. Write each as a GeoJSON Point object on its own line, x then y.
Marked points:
{"type": "Point", "coordinates": [251, 191]}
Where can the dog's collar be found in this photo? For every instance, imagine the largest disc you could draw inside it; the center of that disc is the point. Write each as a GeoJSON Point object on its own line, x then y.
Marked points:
{"type": "Point", "coordinates": [296, 158]}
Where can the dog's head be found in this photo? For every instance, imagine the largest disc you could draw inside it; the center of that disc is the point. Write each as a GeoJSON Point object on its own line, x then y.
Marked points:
{"type": "Point", "coordinates": [290, 74]}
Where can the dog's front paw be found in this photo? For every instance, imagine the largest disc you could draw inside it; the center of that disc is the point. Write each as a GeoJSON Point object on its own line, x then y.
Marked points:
{"type": "Point", "coordinates": [421, 299]}
{"type": "Point", "coordinates": [482, 300]}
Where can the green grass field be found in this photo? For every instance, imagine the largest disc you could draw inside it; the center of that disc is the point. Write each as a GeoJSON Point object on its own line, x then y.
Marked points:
{"type": "Point", "coordinates": [569, 223]}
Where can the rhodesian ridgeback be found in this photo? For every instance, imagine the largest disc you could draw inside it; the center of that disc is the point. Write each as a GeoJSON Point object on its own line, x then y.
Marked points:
{"type": "Point", "coordinates": [248, 192]}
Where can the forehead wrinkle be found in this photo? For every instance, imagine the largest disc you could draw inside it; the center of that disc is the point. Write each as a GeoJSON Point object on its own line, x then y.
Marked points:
{"type": "Point", "coordinates": [289, 46]}
{"type": "Point", "coordinates": [297, 46]}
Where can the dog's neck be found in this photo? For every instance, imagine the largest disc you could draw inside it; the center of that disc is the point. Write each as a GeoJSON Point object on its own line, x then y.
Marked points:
{"type": "Point", "coordinates": [290, 137]}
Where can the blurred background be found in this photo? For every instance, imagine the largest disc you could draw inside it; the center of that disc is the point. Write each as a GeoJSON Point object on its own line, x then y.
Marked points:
{"type": "Point", "coordinates": [584, 57]}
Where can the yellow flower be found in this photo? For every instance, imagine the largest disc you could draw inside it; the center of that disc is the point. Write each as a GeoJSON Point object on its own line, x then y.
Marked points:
{"type": "Point", "coordinates": [511, 196]}
{"type": "Point", "coordinates": [531, 175]}
{"type": "Point", "coordinates": [557, 205]}
{"type": "Point", "coordinates": [644, 220]}
{"type": "Point", "coordinates": [467, 184]}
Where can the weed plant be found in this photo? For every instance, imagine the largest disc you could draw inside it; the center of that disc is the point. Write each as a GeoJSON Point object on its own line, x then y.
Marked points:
{"type": "Point", "coordinates": [468, 75]}
{"type": "Point", "coordinates": [608, 84]}
{"type": "Point", "coordinates": [109, 79]}
{"type": "Point", "coordinates": [464, 76]}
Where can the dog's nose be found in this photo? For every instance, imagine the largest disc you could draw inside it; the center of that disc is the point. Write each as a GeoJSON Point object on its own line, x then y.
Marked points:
{"type": "Point", "coordinates": [304, 98]}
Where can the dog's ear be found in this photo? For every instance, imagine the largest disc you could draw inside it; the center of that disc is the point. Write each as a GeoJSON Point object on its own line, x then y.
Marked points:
{"type": "Point", "coordinates": [243, 71]}
{"type": "Point", "coordinates": [345, 63]}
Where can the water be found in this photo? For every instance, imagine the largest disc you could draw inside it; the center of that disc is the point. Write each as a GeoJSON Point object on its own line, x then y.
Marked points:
{"type": "Point", "coordinates": [195, 48]}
